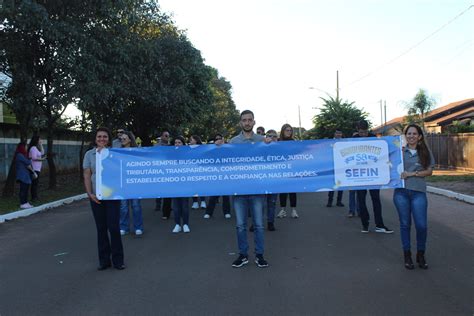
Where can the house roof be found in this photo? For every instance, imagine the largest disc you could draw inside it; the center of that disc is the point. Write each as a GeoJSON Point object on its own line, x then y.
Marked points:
{"type": "Point", "coordinates": [452, 117]}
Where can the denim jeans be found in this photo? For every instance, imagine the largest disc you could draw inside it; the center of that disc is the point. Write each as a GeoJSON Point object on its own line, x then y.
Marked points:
{"type": "Point", "coordinates": [181, 210]}
{"type": "Point", "coordinates": [34, 186]}
{"type": "Point", "coordinates": [23, 192]}
{"type": "Point", "coordinates": [353, 202]}
{"type": "Point", "coordinates": [242, 204]}
{"type": "Point", "coordinates": [412, 203]}
{"type": "Point", "coordinates": [125, 217]}
{"type": "Point", "coordinates": [377, 206]}
{"type": "Point", "coordinates": [211, 206]}
{"type": "Point", "coordinates": [271, 206]}
{"type": "Point", "coordinates": [107, 218]}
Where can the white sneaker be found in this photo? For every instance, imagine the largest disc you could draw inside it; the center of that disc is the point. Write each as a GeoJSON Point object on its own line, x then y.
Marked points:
{"type": "Point", "coordinates": [139, 232]}
{"type": "Point", "coordinates": [207, 216]}
{"type": "Point", "coordinates": [294, 214]}
{"type": "Point", "coordinates": [122, 232]}
{"type": "Point", "coordinates": [177, 229]}
{"type": "Point", "coordinates": [25, 206]}
{"type": "Point", "coordinates": [282, 213]}
{"type": "Point", "coordinates": [186, 228]}
{"type": "Point", "coordinates": [227, 216]}
{"type": "Point", "coordinates": [195, 205]}
{"type": "Point", "coordinates": [203, 204]}
{"type": "Point", "coordinates": [30, 204]}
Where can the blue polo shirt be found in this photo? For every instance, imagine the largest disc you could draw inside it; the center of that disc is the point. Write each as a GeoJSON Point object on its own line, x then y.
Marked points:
{"type": "Point", "coordinates": [241, 139]}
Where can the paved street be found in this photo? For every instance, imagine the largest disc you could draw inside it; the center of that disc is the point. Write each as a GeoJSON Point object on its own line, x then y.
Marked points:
{"type": "Point", "coordinates": [320, 264]}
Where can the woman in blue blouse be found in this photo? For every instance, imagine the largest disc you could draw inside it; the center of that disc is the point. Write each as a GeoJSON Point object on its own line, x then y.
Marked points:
{"type": "Point", "coordinates": [411, 201]}
{"type": "Point", "coordinates": [24, 174]}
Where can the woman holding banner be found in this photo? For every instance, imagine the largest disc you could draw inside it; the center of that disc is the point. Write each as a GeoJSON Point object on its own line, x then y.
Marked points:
{"type": "Point", "coordinates": [286, 134]}
{"type": "Point", "coordinates": [128, 140]}
{"type": "Point", "coordinates": [411, 201]}
{"type": "Point", "coordinates": [194, 141]}
{"type": "Point", "coordinates": [180, 205]}
{"type": "Point", "coordinates": [106, 212]}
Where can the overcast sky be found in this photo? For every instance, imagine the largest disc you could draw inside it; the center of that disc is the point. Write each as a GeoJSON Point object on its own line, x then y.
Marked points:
{"type": "Point", "coordinates": [273, 51]}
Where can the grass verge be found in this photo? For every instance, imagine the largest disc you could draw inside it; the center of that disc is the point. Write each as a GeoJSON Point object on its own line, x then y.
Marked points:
{"type": "Point", "coordinates": [67, 185]}
{"type": "Point", "coordinates": [451, 178]}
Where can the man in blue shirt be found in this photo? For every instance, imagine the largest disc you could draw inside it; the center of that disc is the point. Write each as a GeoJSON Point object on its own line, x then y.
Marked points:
{"type": "Point", "coordinates": [244, 203]}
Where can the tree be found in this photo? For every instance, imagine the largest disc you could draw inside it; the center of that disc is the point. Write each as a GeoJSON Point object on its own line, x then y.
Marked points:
{"type": "Point", "coordinates": [335, 114]}
{"type": "Point", "coordinates": [418, 107]}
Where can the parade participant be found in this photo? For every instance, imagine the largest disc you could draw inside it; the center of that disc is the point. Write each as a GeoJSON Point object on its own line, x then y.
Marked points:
{"type": "Point", "coordinates": [271, 198]}
{"type": "Point", "coordinates": [337, 135]}
{"type": "Point", "coordinates": [411, 201]}
{"type": "Point", "coordinates": [363, 131]}
{"type": "Point", "coordinates": [117, 143]}
{"type": "Point", "coordinates": [180, 204]}
{"type": "Point", "coordinates": [163, 140]}
{"type": "Point", "coordinates": [245, 203]}
{"type": "Point", "coordinates": [128, 140]}
{"type": "Point", "coordinates": [195, 140]}
{"type": "Point", "coordinates": [36, 154]}
{"type": "Point", "coordinates": [286, 134]}
{"type": "Point", "coordinates": [106, 212]}
{"type": "Point", "coordinates": [261, 130]}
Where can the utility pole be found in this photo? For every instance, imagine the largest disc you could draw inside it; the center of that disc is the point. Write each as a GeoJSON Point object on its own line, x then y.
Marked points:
{"type": "Point", "coordinates": [337, 84]}
{"type": "Point", "coordinates": [385, 115]}
{"type": "Point", "coordinates": [299, 117]}
{"type": "Point", "coordinates": [381, 113]}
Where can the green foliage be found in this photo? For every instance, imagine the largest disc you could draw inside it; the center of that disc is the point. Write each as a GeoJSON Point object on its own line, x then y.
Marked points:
{"type": "Point", "coordinates": [335, 114]}
{"type": "Point", "coordinates": [418, 107]}
{"type": "Point", "coordinates": [458, 127]}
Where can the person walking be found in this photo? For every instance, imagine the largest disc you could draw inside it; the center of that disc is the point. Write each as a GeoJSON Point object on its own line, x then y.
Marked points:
{"type": "Point", "coordinates": [411, 201]}
{"type": "Point", "coordinates": [180, 204]}
{"type": "Point", "coordinates": [337, 135]}
{"type": "Point", "coordinates": [24, 174]}
{"type": "Point", "coordinates": [363, 131]}
{"type": "Point", "coordinates": [200, 201]}
{"type": "Point", "coordinates": [245, 203]}
{"type": "Point", "coordinates": [286, 134]}
{"type": "Point", "coordinates": [106, 212]}
{"type": "Point", "coordinates": [128, 141]}
{"type": "Point", "coordinates": [163, 140]}
{"type": "Point", "coordinates": [36, 154]}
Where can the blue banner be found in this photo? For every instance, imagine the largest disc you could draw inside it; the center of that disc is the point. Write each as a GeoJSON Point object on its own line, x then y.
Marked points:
{"type": "Point", "coordinates": [237, 169]}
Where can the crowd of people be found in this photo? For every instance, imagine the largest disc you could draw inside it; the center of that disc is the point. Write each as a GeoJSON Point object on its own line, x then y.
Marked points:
{"type": "Point", "coordinates": [112, 217]}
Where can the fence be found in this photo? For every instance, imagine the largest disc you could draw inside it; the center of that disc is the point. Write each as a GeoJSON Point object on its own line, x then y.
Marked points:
{"type": "Point", "coordinates": [454, 151]}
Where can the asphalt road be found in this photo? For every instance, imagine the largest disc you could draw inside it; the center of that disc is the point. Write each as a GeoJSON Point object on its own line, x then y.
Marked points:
{"type": "Point", "coordinates": [320, 264]}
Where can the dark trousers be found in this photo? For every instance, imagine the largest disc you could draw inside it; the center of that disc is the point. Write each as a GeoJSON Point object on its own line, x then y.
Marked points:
{"type": "Point", "coordinates": [166, 206]}
{"type": "Point", "coordinates": [34, 187]}
{"type": "Point", "coordinates": [292, 199]}
{"type": "Point", "coordinates": [377, 206]}
{"type": "Point", "coordinates": [181, 210]}
{"type": "Point", "coordinates": [23, 192]}
{"type": "Point", "coordinates": [107, 221]}
{"type": "Point", "coordinates": [212, 205]}
{"type": "Point", "coordinates": [331, 196]}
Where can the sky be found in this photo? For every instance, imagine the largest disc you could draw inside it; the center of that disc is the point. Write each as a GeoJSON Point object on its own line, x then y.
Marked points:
{"type": "Point", "coordinates": [272, 52]}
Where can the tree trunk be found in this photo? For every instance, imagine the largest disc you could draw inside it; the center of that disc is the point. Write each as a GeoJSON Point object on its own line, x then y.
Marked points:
{"type": "Point", "coordinates": [9, 188]}
{"type": "Point", "coordinates": [51, 165]}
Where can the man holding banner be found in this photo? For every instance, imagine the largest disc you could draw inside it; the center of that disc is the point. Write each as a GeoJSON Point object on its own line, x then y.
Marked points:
{"type": "Point", "coordinates": [244, 203]}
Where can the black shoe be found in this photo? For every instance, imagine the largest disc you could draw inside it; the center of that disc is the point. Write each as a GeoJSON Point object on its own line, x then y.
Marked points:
{"type": "Point", "coordinates": [420, 259]}
{"type": "Point", "coordinates": [339, 204]}
{"type": "Point", "coordinates": [120, 267]}
{"type": "Point", "coordinates": [261, 263]}
{"type": "Point", "coordinates": [251, 229]}
{"type": "Point", "coordinates": [329, 205]}
{"type": "Point", "coordinates": [365, 229]}
{"type": "Point", "coordinates": [383, 229]}
{"type": "Point", "coordinates": [271, 227]}
{"type": "Point", "coordinates": [408, 262]}
{"type": "Point", "coordinates": [240, 261]}
{"type": "Point", "coordinates": [104, 267]}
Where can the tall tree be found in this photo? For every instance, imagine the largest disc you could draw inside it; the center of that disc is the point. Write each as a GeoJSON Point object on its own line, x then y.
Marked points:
{"type": "Point", "coordinates": [335, 114]}
{"type": "Point", "coordinates": [421, 104]}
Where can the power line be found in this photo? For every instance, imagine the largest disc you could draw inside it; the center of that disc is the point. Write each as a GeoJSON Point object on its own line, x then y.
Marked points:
{"type": "Point", "coordinates": [412, 47]}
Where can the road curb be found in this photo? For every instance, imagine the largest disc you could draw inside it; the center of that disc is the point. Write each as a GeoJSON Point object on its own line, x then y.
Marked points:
{"type": "Point", "coordinates": [458, 196]}
{"type": "Point", "coordinates": [33, 210]}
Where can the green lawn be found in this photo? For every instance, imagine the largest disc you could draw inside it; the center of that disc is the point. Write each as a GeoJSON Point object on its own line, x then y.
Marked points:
{"type": "Point", "coordinates": [465, 178]}
{"type": "Point", "coordinates": [68, 185]}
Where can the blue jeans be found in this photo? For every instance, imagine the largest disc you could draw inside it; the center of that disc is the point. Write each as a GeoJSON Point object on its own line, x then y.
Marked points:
{"type": "Point", "coordinates": [242, 204]}
{"type": "Point", "coordinates": [353, 202]}
{"type": "Point", "coordinates": [412, 203]}
{"type": "Point", "coordinates": [271, 206]}
{"type": "Point", "coordinates": [136, 211]}
{"type": "Point", "coordinates": [181, 210]}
